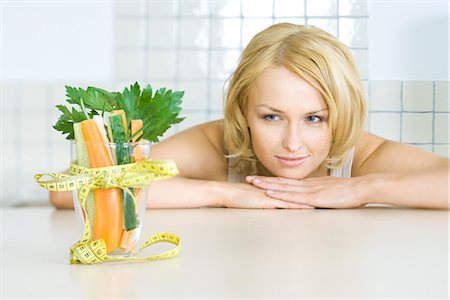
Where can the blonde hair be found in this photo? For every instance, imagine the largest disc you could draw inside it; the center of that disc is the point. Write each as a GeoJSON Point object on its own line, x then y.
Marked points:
{"type": "Point", "coordinates": [317, 57]}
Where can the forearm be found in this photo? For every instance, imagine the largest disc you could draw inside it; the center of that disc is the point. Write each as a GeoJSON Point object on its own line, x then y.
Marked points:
{"type": "Point", "coordinates": [170, 193]}
{"type": "Point", "coordinates": [424, 188]}
{"type": "Point", "coordinates": [179, 192]}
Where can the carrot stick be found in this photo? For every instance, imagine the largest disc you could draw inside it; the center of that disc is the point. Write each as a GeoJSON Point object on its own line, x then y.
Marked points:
{"type": "Point", "coordinates": [135, 126]}
{"type": "Point", "coordinates": [108, 217]}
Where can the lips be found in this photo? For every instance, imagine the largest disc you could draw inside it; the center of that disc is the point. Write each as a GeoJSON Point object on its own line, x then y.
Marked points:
{"type": "Point", "coordinates": [291, 161]}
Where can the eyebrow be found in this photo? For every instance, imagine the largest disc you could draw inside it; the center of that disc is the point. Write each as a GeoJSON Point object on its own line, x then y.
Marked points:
{"type": "Point", "coordinates": [280, 111]}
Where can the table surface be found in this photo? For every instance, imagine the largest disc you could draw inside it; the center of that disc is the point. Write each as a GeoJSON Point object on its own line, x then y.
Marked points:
{"type": "Point", "coordinates": [371, 252]}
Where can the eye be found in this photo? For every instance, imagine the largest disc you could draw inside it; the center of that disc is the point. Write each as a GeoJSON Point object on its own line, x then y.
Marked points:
{"type": "Point", "coordinates": [271, 117]}
{"type": "Point", "coordinates": [314, 119]}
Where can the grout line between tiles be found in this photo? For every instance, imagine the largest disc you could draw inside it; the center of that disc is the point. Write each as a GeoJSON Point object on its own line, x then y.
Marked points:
{"type": "Point", "coordinates": [433, 139]}
{"type": "Point", "coordinates": [401, 110]}
{"type": "Point", "coordinates": [208, 72]}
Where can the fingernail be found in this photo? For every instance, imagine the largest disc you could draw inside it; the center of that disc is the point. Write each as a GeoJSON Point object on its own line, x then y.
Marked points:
{"type": "Point", "coordinates": [270, 192]}
{"type": "Point", "coordinates": [249, 177]}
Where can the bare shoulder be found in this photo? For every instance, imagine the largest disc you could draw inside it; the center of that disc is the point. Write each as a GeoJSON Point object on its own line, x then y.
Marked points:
{"type": "Point", "coordinates": [198, 151]}
{"type": "Point", "coordinates": [374, 154]}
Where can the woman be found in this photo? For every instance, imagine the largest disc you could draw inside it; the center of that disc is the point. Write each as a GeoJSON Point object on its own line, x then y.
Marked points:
{"type": "Point", "coordinates": [293, 137]}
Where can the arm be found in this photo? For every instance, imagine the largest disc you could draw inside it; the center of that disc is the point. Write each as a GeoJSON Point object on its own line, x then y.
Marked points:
{"type": "Point", "coordinates": [182, 192]}
{"type": "Point", "coordinates": [399, 174]}
{"type": "Point", "coordinates": [199, 155]}
{"type": "Point", "coordinates": [422, 189]}
{"type": "Point", "coordinates": [384, 172]}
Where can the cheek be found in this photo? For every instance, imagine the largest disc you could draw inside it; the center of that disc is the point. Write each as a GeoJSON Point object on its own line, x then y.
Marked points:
{"type": "Point", "coordinates": [317, 140]}
{"type": "Point", "coordinates": [320, 142]}
{"type": "Point", "coordinates": [263, 140]}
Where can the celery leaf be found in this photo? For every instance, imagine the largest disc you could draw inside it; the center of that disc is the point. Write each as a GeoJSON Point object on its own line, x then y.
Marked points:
{"type": "Point", "coordinates": [159, 111]}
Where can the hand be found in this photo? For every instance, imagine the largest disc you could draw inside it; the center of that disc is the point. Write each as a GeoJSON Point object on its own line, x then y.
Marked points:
{"type": "Point", "coordinates": [326, 192]}
{"type": "Point", "coordinates": [242, 195]}
{"type": "Point", "coordinates": [61, 200]}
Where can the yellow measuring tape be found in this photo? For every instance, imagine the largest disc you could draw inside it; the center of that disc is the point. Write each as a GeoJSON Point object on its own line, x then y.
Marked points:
{"type": "Point", "coordinates": [135, 175]}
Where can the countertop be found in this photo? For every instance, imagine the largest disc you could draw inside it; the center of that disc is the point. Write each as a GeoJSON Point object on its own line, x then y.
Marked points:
{"type": "Point", "coordinates": [371, 252]}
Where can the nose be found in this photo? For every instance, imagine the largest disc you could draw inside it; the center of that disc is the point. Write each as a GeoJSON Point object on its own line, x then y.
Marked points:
{"type": "Point", "coordinates": [291, 139]}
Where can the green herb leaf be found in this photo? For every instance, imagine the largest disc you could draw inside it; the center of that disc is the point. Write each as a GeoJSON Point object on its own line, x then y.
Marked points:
{"type": "Point", "coordinates": [128, 101]}
{"type": "Point", "coordinates": [158, 112]}
{"type": "Point", "coordinates": [93, 98]}
{"type": "Point", "coordinates": [68, 118]}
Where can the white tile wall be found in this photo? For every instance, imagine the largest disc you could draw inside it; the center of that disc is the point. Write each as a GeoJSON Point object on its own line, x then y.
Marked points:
{"type": "Point", "coordinates": [161, 64]}
{"type": "Point", "coordinates": [223, 62]}
{"type": "Point", "coordinates": [193, 8]}
{"type": "Point", "coordinates": [418, 108]}
{"type": "Point", "coordinates": [195, 95]}
{"type": "Point", "coordinates": [162, 32]}
{"type": "Point", "coordinates": [158, 8]}
{"type": "Point", "coordinates": [224, 33]}
{"type": "Point", "coordinates": [257, 8]}
{"type": "Point", "coordinates": [385, 96]}
{"type": "Point", "coordinates": [361, 60]}
{"type": "Point", "coordinates": [386, 125]}
{"type": "Point", "coordinates": [426, 147]}
{"type": "Point", "coordinates": [122, 8]}
{"type": "Point", "coordinates": [289, 8]}
{"type": "Point", "coordinates": [442, 93]}
{"type": "Point", "coordinates": [443, 150]}
{"type": "Point", "coordinates": [217, 96]}
{"type": "Point", "coordinates": [193, 33]}
{"type": "Point", "coordinates": [32, 146]}
{"type": "Point", "coordinates": [321, 8]}
{"type": "Point", "coordinates": [328, 24]}
{"type": "Point", "coordinates": [196, 70]}
{"type": "Point", "coordinates": [352, 8]}
{"type": "Point", "coordinates": [352, 32]}
{"type": "Point", "coordinates": [129, 64]}
{"type": "Point", "coordinates": [441, 129]}
{"type": "Point", "coordinates": [252, 26]}
{"type": "Point", "coordinates": [194, 46]}
{"type": "Point", "coordinates": [418, 96]}
{"type": "Point", "coordinates": [295, 20]}
{"type": "Point", "coordinates": [417, 128]}
{"type": "Point", "coordinates": [223, 8]}
{"type": "Point", "coordinates": [129, 33]}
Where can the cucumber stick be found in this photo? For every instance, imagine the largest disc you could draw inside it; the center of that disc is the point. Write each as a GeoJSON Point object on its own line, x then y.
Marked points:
{"type": "Point", "coordinates": [83, 160]}
{"type": "Point", "coordinates": [123, 157]}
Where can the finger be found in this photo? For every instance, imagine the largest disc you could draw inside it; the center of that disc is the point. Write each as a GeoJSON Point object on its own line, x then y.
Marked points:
{"type": "Point", "coordinates": [292, 205]}
{"type": "Point", "coordinates": [299, 187]}
{"type": "Point", "coordinates": [301, 198]}
{"type": "Point", "coordinates": [280, 180]}
{"type": "Point", "coordinates": [274, 203]}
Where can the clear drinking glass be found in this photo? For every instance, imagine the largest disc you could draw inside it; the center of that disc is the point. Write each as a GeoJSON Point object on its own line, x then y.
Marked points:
{"type": "Point", "coordinates": [114, 215]}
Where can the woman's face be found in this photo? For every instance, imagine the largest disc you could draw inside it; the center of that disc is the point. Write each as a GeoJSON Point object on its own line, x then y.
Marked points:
{"type": "Point", "coordinates": [288, 122]}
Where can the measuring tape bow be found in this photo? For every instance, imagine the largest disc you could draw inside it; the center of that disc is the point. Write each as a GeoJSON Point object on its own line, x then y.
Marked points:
{"type": "Point", "coordinates": [135, 175]}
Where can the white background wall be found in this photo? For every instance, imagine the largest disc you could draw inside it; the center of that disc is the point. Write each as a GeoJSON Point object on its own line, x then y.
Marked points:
{"type": "Point", "coordinates": [46, 41]}
{"type": "Point", "coordinates": [408, 40]}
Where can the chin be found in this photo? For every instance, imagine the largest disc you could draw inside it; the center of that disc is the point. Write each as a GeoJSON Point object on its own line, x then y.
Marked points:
{"type": "Point", "coordinates": [292, 174]}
